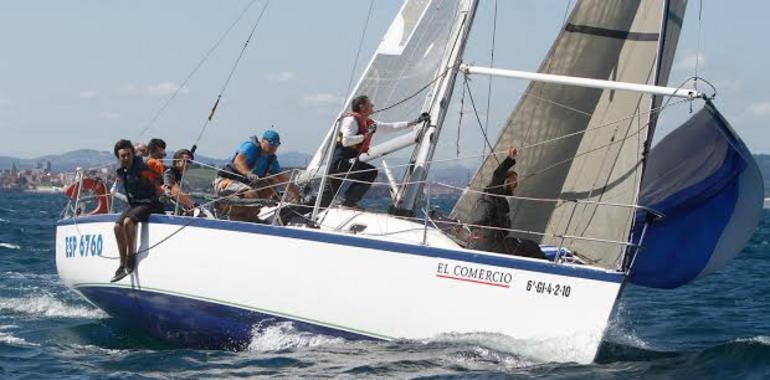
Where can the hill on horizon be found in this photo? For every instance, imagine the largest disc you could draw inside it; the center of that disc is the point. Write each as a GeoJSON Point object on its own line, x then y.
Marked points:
{"type": "Point", "coordinates": [91, 158]}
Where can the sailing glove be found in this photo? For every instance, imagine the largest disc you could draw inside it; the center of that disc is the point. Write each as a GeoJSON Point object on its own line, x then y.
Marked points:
{"type": "Point", "coordinates": [371, 129]}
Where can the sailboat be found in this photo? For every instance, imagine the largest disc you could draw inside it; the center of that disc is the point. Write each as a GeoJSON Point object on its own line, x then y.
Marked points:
{"type": "Point", "coordinates": [592, 184]}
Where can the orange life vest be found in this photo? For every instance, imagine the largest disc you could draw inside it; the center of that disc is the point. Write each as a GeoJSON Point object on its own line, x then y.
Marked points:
{"type": "Point", "coordinates": [98, 191]}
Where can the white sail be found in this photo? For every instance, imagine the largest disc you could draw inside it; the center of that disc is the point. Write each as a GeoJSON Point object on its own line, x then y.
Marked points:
{"type": "Point", "coordinates": [406, 61]}
{"type": "Point", "coordinates": [581, 143]}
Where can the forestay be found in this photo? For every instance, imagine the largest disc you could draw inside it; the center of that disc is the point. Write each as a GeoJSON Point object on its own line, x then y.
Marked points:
{"type": "Point", "coordinates": [407, 59]}
{"type": "Point", "coordinates": [587, 144]}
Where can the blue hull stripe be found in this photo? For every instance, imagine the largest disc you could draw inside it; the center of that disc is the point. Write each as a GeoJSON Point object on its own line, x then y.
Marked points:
{"type": "Point", "coordinates": [189, 322]}
{"type": "Point", "coordinates": [363, 242]}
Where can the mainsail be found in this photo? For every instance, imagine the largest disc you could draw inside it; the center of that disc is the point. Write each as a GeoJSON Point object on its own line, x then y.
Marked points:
{"type": "Point", "coordinates": [587, 144]}
{"type": "Point", "coordinates": [406, 61]}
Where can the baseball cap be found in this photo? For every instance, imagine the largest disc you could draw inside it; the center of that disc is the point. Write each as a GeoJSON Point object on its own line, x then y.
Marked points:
{"type": "Point", "coordinates": [272, 137]}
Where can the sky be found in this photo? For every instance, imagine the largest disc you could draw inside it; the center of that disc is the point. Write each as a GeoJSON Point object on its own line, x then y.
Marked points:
{"type": "Point", "coordinates": [84, 73]}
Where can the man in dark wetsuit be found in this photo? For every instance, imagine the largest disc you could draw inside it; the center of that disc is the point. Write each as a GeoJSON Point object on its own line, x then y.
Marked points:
{"type": "Point", "coordinates": [142, 184]}
{"type": "Point", "coordinates": [492, 209]}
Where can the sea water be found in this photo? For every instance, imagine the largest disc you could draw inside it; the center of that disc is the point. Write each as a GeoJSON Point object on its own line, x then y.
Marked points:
{"type": "Point", "coordinates": [718, 327]}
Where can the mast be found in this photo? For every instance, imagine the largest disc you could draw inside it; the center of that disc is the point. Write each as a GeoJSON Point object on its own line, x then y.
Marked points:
{"type": "Point", "coordinates": [439, 104]}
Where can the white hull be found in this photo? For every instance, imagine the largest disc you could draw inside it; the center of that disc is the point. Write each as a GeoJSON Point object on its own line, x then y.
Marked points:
{"type": "Point", "coordinates": [214, 277]}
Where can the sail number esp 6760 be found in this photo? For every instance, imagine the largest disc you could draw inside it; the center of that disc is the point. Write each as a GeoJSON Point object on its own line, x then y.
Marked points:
{"type": "Point", "coordinates": [83, 245]}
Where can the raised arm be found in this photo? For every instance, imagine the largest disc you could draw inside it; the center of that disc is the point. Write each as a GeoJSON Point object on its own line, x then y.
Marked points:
{"type": "Point", "coordinates": [499, 175]}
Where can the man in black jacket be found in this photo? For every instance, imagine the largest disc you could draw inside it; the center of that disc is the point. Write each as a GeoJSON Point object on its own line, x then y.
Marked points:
{"type": "Point", "coordinates": [141, 182]}
{"type": "Point", "coordinates": [492, 210]}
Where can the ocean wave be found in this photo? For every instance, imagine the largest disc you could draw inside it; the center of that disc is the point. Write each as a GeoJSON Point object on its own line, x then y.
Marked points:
{"type": "Point", "coordinates": [10, 339]}
{"type": "Point", "coordinates": [761, 339]}
{"type": "Point", "coordinates": [283, 336]}
{"type": "Point", "coordinates": [48, 306]}
{"type": "Point", "coordinates": [4, 220]}
{"type": "Point", "coordinates": [29, 275]}
{"type": "Point", "coordinates": [9, 246]}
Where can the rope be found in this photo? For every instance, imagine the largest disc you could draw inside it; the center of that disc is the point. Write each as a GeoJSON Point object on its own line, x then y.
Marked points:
{"type": "Point", "coordinates": [176, 92]}
{"type": "Point", "coordinates": [229, 77]}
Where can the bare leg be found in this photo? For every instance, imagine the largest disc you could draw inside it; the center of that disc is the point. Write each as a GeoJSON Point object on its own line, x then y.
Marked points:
{"type": "Point", "coordinates": [121, 239]}
{"type": "Point", "coordinates": [129, 229]}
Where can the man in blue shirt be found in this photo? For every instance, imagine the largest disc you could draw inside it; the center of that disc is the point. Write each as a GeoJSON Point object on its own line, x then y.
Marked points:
{"type": "Point", "coordinates": [254, 171]}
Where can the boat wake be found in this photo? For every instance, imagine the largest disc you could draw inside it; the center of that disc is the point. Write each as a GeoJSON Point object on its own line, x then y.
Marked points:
{"type": "Point", "coordinates": [48, 306]}
{"type": "Point", "coordinates": [529, 351]}
{"type": "Point", "coordinates": [284, 336]}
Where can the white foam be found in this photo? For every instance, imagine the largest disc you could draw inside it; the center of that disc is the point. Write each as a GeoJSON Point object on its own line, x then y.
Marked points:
{"type": "Point", "coordinates": [762, 339]}
{"type": "Point", "coordinates": [48, 306]}
{"type": "Point", "coordinates": [484, 355]}
{"type": "Point", "coordinates": [4, 220]}
{"type": "Point", "coordinates": [8, 338]}
{"type": "Point", "coordinates": [283, 336]}
{"type": "Point", "coordinates": [9, 246]}
{"type": "Point", "coordinates": [574, 348]}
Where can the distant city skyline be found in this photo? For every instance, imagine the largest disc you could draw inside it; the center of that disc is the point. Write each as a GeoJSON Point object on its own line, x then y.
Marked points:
{"type": "Point", "coordinates": [82, 74]}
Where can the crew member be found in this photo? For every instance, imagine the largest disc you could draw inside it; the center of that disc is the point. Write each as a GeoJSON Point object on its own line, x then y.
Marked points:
{"type": "Point", "coordinates": [254, 173]}
{"type": "Point", "coordinates": [141, 150]}
{"type": "Point", "coordinates": [172, 178]}
{"type": "Point", "coordinates": [492, 210]}
{"type": "Point", "coordinates": [356, 131]}
{"type": "Point", "coordinates": [156, 149]}
{"type": "Point", "coordinates": [141, 184]}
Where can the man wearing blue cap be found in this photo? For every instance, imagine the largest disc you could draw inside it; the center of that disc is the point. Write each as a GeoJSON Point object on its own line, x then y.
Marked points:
{"type": "Point", "coordinates": [254, 170]}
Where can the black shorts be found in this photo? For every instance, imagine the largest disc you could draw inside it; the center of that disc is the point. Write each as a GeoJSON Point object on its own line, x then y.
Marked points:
{"type": "Point", "coordinates": [140, 213]}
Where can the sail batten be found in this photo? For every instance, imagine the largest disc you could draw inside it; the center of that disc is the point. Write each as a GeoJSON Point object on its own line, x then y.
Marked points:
{"type": "Point", "coordinates": [596, 138]}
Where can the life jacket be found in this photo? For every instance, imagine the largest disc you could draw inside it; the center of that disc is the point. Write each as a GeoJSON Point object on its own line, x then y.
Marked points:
{"type": "Point", "coordinates": [98, 190]}
{"type": "Point", "coordinates": [142, 182]}
{"type": "Point", "coordinates": [346, 152]}
{"type": "Point", "coordinates": [229, 171]}
{"type": "Point", "coordinates": [363, 125]}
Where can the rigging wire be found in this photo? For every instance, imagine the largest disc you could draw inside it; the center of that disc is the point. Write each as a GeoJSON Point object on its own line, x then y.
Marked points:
{"type": "Point", "coordinates": [343, 106]}
{"type": "Point", "coordinates": [478, 119]}
{"type": "Point", "coordinates": [358, 51]}
{"type": "Point", "coordinates": [460, 122]}
{"type": "Point", "coordinates": [489, 83]}
{"type": "Point", "coordinates": [187, 79]}
{"type": "Point", "coordinates": [416, 93]}
{"type": "Point", "coordinates": [698, 52]}
{"type": "Point", "coordinates": [229, 77]}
